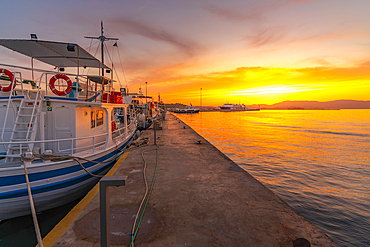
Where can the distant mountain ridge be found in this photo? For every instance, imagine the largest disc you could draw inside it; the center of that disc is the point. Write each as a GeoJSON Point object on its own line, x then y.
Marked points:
{"type": "Point", "coordinates": [336, 104]}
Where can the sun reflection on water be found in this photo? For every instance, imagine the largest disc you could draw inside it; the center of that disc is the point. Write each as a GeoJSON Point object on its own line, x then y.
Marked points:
{"type": "Point", "coordinates": [315, 160]}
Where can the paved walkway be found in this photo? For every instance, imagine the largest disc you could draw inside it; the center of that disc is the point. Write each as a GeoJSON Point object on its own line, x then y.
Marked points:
{"type": "Point", "coordinates": [200, 198]}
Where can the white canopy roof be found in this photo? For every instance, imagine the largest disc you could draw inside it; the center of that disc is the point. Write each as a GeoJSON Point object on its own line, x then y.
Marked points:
{"type": "Point", "coordinates": [54, 53]}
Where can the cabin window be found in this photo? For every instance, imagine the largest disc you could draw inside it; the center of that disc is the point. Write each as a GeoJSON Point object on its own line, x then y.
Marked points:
{"type": "Point", "coordinates": [92, 119]}
{"type": "Point", "coordinates": [99, 118]}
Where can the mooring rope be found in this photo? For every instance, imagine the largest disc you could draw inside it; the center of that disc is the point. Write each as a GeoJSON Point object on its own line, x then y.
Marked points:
{"type": "Point", "coordinates": [32, 204]}
{"type": "Point", "coordinates": [53, 157]}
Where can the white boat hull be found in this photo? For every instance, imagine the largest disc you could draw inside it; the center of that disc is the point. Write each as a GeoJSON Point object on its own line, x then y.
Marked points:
{"type": "Point", "coordinates": [52, 184]}
{"type": "Point", "coordinates": [62, 114]}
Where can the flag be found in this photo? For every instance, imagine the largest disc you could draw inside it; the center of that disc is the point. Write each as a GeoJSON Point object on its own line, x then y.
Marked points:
{"type": "Point", "coordinates": [115, 44]}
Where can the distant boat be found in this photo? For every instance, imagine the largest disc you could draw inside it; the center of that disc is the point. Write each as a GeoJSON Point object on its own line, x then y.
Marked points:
{"type": "Point", "coordinates": [235, 107]}
{"type": "Point", "coordinates": [188, 109]}
{"type": "Point", "coordinates": [147, 109]}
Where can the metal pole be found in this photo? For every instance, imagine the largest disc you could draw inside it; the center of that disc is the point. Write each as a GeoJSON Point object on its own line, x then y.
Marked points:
{"type": "Point", "coordinates": [78, 62]}
{"type": "Point", "coordinates": [105, 182]}
{"type": "Point", "coordinates": [33, 77]}
{"type": "Point", "coordinates": [102, 48]}
{"type": "Point", "coordinates": [146, 99]}
{"type": "Point", "coordinates": [42, 131]}
{"type": "Point", "coordinates": [78, 71]}
{"type": "Point", "coordinates": [200, 98]}
{"type": "Point", "coordinates": [125, 121]}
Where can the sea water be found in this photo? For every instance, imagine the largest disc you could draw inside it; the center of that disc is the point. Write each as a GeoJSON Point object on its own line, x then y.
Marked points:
{"type": "Point", "coordinates": [318, 161]}
{"type": "Point", "coordinates": [20, 231]}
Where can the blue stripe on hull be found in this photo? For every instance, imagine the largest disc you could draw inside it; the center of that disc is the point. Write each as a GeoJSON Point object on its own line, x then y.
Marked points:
{"type": "Point", "coordinates": [21, 206]}
{"type": "Point", "coordinates": [60, 172]}
{"type": "Point", "coordinates": [20, 179]}
{"type": "Point", "coordinates": [54, 186]}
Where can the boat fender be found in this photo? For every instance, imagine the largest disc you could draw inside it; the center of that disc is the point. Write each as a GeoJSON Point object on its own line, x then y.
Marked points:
{"type": "Point", "coordinates": [137, 134]}
{"type": "Point", "coordinates": [141, 117]}
{"type": "Point", "coordinates": [113, 126]}
{"type": "Point", "coordinates": [11, 76]}
{"type": "Point", "coordinates": [57, 92]}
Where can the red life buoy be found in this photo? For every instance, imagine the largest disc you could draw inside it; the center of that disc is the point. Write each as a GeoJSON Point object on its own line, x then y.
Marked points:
{"type": "Point", "coordinates": [10, 74]}
{"type": "Point", "coordinates": [113, 126]}
{"type": "Point", "coordinates": [57, 92]}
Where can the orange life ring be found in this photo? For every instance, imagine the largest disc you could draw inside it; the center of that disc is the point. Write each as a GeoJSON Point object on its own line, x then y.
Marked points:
{"type": "Point", "coordinates": [113, 126]}
{"type": "Point", "coordinates": [10, 74]}
{"type": "Point", "coordinates": [57, 92]}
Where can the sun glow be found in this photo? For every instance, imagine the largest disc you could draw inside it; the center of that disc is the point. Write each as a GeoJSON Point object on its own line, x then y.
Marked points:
{"type": "Point", "coordinates": [272, 90]}
{"type": "Point", "coordinates": [258, 85]}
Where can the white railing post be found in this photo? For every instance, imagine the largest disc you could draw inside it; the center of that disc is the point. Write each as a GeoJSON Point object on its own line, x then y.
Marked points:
{"type": "Point", "coordinates": [93, 144]}
{"type": "Point", "coordinates": [42, 131]}
{"type": "Point", "coordinates": [125, 122]}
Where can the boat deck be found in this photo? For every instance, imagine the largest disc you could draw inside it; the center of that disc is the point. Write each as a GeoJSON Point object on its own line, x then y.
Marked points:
{"type": "Point", "coordinates": [200, 198]}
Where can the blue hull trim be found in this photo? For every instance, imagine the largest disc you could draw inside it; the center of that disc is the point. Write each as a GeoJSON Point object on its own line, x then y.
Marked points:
{"type": "Point", "coordinates": [60, 98]}
{"type": "Point", "coordinates": [59, 172]}
{"type": "Point", "coordinates": [13, 97]}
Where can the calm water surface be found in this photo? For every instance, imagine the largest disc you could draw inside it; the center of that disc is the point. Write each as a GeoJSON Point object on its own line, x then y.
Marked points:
{"type": "Point", "coordinates": [318, 161]}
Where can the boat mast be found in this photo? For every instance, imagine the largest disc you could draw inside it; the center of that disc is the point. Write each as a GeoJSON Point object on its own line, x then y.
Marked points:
{"type": "Point", "coordinates": [102, 38]}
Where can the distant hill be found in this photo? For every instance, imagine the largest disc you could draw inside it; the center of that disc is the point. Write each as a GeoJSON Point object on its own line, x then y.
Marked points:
{"type": "Point", "coordinates": [336, 104]}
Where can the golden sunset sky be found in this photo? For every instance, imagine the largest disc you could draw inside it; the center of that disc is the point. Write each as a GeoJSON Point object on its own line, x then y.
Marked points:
{"type": "Point", "coordinates": [252, 52]}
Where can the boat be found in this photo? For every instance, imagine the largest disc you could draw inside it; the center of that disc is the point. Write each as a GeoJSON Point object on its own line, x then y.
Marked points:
{"type": "Point", "coordinates": [187, 109]}
{"type": "Point", "coordinates": [59, 133]}
{"type": "Point", "coordinates": [236, 107]}
{"type": "Point", "coordinates": [146, 110]}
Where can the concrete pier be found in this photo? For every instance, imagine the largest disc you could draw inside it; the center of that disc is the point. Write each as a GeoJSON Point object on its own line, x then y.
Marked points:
{"type": "Point", "coordinates": [199, 198]}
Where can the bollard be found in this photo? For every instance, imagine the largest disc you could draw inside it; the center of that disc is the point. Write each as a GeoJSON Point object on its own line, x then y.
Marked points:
{"type": "Point", "coordinates": [105, 182]}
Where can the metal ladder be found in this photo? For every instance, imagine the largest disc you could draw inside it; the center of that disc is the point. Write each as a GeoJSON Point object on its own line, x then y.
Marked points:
{"type": "Point", "coordinates": [24, 129]}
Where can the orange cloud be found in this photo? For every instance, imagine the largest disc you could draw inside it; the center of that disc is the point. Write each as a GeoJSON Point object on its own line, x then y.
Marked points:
{"type": "Point", "coordinates": [251, 11]}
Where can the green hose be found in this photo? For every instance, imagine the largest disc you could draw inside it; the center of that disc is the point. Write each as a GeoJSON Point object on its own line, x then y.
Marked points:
{"type": "Point", "coordinates": [147, 200]}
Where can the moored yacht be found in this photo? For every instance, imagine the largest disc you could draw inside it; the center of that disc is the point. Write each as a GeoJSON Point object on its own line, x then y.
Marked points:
{"type": "Point", "coordinates": [236, 107]}
{"type": "Point", "coordinates": [187, 109]}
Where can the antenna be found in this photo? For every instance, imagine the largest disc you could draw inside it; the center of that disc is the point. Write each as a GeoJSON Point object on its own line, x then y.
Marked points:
{"type": "Point", "coordinates": [102, 39]}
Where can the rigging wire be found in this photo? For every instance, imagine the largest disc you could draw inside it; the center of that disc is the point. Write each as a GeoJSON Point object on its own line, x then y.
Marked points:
{"type": "Point", "coordinates": [119, 56]}
{"type": "Point", "coordinates": [97, 49]}
{"type": "Point", "coordinates": [119, 81]}
{"type": "Point", "coordinates": [92, 44]}
{"type": "Point", "coordinates": [89, 48]}
{"type": "Point", "coordinates": [115, 71]}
